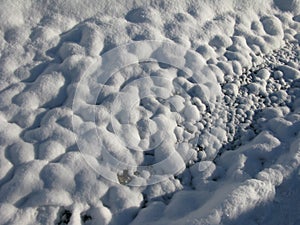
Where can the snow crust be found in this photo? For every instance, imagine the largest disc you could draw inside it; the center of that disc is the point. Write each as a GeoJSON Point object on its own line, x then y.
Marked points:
{"type": "Point", "coordinates": [159, 112]}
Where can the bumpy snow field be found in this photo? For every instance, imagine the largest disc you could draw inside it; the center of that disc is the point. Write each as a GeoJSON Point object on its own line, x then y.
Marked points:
{"type": "Point", "coordinates": [150, 112]}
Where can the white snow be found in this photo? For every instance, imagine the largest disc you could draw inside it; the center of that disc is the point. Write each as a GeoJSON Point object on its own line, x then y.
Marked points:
{"type": "Point", "coordinates": [157, 112]}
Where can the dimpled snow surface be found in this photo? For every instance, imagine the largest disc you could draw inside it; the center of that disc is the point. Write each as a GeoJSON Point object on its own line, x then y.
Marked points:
{"type": "Point", "coordinates": [150, 112]}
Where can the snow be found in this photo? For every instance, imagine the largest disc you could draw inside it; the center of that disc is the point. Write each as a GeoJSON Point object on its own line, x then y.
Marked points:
{"type": "Point", "coordinates": [158, 112]}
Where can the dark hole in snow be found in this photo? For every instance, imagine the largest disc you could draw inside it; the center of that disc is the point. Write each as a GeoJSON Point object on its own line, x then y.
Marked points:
{"type": "Point", "coordinates": [65, 217]}
{"type": "Point", "coordinates": [86, 218]}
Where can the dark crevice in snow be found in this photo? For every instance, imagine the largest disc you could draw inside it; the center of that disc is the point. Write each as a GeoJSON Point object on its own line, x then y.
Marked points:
{"type": "Point", "coordinates": [64, 217]}
{"type": "Point", "coordinates": [85, 218]}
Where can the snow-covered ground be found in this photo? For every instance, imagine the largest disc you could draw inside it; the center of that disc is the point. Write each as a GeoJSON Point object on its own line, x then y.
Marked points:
{"type": "Point", "coordinates": [150, 112]}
